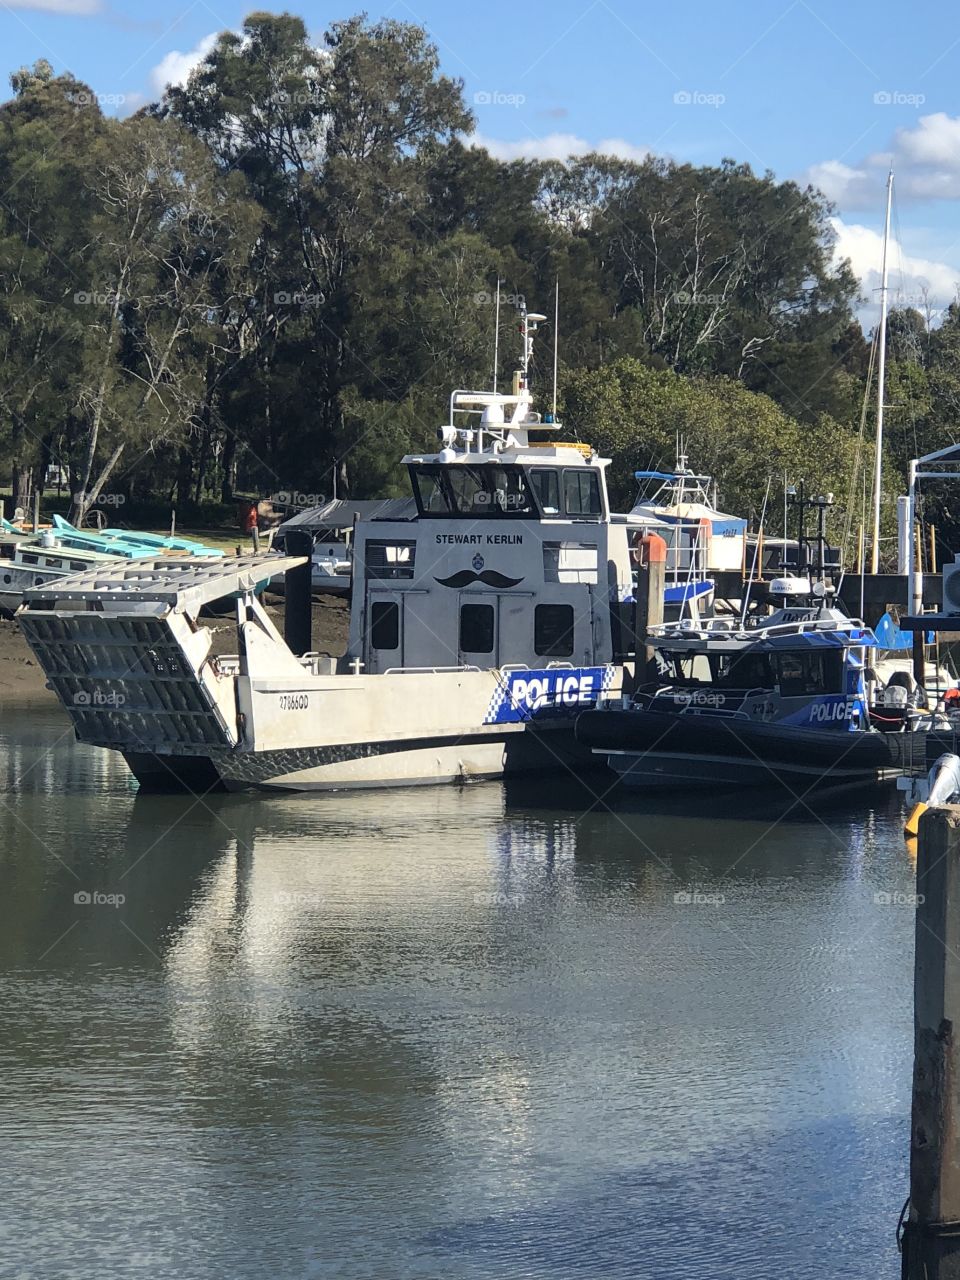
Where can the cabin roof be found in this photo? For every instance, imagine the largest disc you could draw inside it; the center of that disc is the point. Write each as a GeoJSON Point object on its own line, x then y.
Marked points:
{"type": "Point", "coordinates": [340, 513]}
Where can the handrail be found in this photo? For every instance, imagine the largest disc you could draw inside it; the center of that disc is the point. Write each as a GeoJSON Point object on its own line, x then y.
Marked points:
{"type": "Point", "coordinates": [671, 631]}
{"type": "Point", "coordinates": [400, 671]}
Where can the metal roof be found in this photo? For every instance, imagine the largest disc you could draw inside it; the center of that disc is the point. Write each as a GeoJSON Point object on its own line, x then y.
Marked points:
{"type": "Point", "coordinates": [340, 513]}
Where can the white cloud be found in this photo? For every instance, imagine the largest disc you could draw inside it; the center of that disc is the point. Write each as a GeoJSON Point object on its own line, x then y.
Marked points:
{"type": "Point", "coordinates": [925, 159]}
{"type": "Point", "coordinates": [81, 8]}
{"type": "Point", "coordinates": [175, 67]}
{"type": "Point", "coordinates": [556, 146]}
{"type": "Point", "coordinates": [914, 282]}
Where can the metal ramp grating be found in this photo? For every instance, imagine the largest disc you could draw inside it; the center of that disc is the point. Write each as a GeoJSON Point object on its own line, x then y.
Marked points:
{"type": "Point", "coordinates": [126, 681]}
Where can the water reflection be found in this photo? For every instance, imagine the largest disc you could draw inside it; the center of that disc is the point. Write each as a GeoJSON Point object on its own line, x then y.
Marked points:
{"type": "Point", "coordinates": [469, 1033]}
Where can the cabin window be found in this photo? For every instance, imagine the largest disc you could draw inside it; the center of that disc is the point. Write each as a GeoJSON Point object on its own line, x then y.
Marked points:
{"type": "Point", "coordinates": [489, 491]}
{"type": "Point", "coordinates": [431, 490]}
{"type": "Point", "coordinates": [805, 673]}
{"type": "Point", "coordinates": [570, 562]}
{"type": "Point", "coordinates": [546, 487]}
{"type": "Point", "coordinates": [460, 489]}
{"type": "Point", "coordinates": [476, 628]}
{"type": "Point", "coordinates": [743, 671]}
{"type": "Point", "coordinates": [553, 630]}
{"type": "Point", "coordinates": [385, 625]}
{"type": "Point", "coordinates": [581, 489]}
{"type": "Point", "coordinates": [390, 560]}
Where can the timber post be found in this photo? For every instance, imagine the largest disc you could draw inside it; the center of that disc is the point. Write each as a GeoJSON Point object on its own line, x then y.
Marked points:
{"type": "Point", "coordinates": [651, 581]}
{"type": "Point", "coordinates": [298, 602]}
{"type": "Point", "coordinates": [931, 1237]}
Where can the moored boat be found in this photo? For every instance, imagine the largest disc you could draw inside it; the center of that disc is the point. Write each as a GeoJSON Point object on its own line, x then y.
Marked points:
{"type": "Point", "coordinates": [480, 626]}
{"type": "Point", "coordinates": [782, 701]}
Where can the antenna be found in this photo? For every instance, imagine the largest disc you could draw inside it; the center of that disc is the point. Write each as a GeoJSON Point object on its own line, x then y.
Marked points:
{"type": "Point", "coordinates": [496, 337]}
{"type": "Point", "coordinates": [881, 387]}
{"type": "Point", "coordinates": [530, 322]}
{"type": "Point", "coordinates": [556, 340]}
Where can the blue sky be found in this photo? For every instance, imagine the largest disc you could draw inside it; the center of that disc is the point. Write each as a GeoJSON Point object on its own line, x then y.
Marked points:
{"type": "Point", "coordinates": [808, 90]}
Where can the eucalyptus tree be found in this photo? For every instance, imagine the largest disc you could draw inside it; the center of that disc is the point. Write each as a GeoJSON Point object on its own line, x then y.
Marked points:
{"type": "Point", "coordinates": [165, 233]}
{"type": "Point", "coordinates": [47, 131]}
{"type": "Point", "coordinates": [330, 140]}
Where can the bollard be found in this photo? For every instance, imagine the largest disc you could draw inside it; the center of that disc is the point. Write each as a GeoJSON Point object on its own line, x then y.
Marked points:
{"type": "Point", "coordinates": [651, 583]}
{"type": "Point", "coordinates": [297, 608]}
{"type": "Point", "coordinates": [931, 1237]}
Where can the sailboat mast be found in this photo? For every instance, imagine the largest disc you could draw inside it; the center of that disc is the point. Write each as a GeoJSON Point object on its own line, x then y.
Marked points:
{"type": "Point", "coordinates": [881, 380]}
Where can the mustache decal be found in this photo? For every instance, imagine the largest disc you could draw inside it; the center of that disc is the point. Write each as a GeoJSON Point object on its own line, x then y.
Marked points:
{"type": "Point", "coordinates": [488, 576]}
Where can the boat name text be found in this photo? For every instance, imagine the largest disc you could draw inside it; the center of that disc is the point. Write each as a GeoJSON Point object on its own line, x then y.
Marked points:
{"type": "Point", "coordinates": [476, 539]}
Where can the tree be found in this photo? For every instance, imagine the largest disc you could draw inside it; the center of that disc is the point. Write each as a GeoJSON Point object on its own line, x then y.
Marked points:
{"type": "Point", "coordinates": [330, 141]}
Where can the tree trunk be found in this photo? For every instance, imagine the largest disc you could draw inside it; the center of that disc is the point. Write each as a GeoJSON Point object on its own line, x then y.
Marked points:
{"type": "Point", "coordinates": [184, 477]}
{"type": "Point", "coordinates": [22, 483]}
{"type": "Point", "coordinates": [228, 486]}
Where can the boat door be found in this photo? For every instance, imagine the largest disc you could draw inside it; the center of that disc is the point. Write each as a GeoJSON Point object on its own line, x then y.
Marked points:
{"type": "Point", "coordinates": [398, 633]}
{"type": "Point", "coordinates": [478, 642]}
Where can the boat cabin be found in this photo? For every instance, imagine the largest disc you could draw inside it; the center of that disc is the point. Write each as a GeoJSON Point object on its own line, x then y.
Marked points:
{"type": "Point", "coordinates": [510, 558]}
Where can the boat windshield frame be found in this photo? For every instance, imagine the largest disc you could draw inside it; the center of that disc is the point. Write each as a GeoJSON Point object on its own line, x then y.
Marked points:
{"type": "Point", "coordinates": [521, 498]}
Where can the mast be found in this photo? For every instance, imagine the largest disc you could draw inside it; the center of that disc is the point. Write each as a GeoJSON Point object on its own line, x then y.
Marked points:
{"type": "Point", "coordinates": [556, 342]}
{"type": "Point", "coordinates": [496, 337]}
{"type": "Point", "coordinates": [881, 377]}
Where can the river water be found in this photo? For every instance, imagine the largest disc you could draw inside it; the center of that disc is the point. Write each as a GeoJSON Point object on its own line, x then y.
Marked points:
{"type": "Point", "coordinates": [447, 1033]}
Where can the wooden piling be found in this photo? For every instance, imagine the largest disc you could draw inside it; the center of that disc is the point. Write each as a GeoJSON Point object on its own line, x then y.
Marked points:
{"type": "Point", "coordinates": [651, 583]}
{"type": "Point", "coordinates": [931, 1240]}
{"type": "Point", "coordinates": [297, 615]}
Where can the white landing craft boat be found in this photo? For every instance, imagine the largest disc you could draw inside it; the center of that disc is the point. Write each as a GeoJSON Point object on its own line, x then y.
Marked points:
{"type": "Point", "coordinates": [480, 627]}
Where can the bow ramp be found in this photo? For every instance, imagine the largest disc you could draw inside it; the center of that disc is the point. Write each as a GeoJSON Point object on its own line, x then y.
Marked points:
{"type": "Point", "coordinates": [124, 651]}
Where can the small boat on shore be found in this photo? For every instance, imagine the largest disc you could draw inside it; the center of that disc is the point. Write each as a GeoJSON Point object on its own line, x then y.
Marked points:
{"type": "Point", "coordinates": [59, 550]}
{"type": "Point", "coordinates": [781, 701]}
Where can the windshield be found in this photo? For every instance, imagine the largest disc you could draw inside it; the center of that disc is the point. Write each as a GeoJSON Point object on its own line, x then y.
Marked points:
{"type": "Point", "coordinates": [475, 491]}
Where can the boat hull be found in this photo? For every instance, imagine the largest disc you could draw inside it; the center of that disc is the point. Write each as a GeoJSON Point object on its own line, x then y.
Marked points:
{"type": "Point", "coordinates": [415, 761]}
{"type": "Point", "coordinates": [654, 750]}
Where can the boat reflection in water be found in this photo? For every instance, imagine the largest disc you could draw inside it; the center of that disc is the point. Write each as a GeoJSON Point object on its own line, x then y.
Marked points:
{"type": "Point", "coordinates": [465, 1032]}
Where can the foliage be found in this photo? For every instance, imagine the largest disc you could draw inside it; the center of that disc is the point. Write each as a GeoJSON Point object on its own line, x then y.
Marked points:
{"type": "Point", "coordinates": [276, 274]}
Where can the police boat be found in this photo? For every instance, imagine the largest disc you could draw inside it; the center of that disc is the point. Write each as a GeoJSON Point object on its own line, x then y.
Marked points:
{"type": "Point", "coordinates": [781, 701]}
{"type": "Point", "coordinates": [483, 621]}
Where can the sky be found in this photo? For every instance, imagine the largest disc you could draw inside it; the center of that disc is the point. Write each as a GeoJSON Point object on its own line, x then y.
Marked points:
{"type": "Point", "coordinates": [829, 94]}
